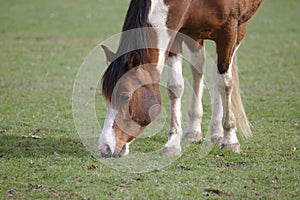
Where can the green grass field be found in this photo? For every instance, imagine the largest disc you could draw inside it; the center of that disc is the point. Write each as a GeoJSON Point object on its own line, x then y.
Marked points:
{"type": "Point", "coordinates": [42, 45]}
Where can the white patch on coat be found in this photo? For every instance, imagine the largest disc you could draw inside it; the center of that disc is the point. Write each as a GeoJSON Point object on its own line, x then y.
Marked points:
{"type": "Point", "coordinates": [157, 17]}
{"type": "Point", "coordinates": [158, 13]}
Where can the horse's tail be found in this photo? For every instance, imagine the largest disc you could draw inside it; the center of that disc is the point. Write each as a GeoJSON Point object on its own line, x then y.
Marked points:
{"type": "Point", "coordinates": [242, 121]}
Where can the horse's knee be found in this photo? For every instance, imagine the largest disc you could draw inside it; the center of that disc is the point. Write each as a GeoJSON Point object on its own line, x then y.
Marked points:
{"type": "Point", "coordinates": [175, 91]}
{"type": "Point", "coordinates": [225, 84]}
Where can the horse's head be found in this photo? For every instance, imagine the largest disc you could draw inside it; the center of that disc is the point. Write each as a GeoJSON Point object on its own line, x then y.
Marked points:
{"type": "Point", "coordinates": [132, 91]}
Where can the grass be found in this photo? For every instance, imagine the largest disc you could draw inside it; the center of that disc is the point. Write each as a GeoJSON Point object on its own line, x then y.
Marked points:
{"type": "Point", "coordinates": [42, 45]}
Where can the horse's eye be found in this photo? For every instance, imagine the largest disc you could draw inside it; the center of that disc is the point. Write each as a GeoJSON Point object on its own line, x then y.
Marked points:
{"type": "Point", "coordinates": [125, 96]}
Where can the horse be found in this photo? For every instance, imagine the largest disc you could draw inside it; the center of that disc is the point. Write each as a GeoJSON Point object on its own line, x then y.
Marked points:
{"type": "Point", "coordinates": [136, 73]}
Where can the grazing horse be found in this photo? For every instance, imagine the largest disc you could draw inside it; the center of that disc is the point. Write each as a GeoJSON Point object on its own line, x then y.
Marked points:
{"type": "Point", "coordinates": [131, 82]}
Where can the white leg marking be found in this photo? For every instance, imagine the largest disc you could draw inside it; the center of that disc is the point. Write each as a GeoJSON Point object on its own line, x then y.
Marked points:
{"type": "Point", "coordinates": [216, 127]}
{"type": "Point", "coordinates": [107, 136]}
{"type": "Point", "coordinates": [193, 131]}
{"type": "Point", "coordinates": [225, 86]}
{"type": "Point", "coordinates": [175, 87]}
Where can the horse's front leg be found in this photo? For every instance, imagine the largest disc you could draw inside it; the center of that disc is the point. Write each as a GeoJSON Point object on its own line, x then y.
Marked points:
{"type": "Point", "coordinates": [225, 83]}
{"type": "Point", "coordinates": [193, 132]}
{"type": "Point", "coordinates": [175, 91]}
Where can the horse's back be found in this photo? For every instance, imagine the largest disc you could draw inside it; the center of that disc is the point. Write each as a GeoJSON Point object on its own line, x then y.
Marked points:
{"type": "Point", "coordinates": [217, 12]}
{"type": "Point", "coordinates": [205, 17]}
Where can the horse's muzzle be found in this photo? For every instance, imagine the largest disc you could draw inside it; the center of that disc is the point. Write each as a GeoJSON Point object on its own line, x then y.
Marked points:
{"type": "Point", "coordinates": [106, 152]}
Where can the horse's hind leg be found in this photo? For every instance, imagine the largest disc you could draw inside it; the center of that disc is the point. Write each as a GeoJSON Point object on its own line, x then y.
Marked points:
{"type": "Point", "coordinates": [175, 91]}
{"type": "Point", "coordinates": [197, 59]}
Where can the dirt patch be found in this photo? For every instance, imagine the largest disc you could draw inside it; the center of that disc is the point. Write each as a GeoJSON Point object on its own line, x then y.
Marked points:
{"type": "Point", "coordinates": [229, 164]}
{"type": "Point", "coordinates": [209, 191]}
{"type": "Point", "coordinates": [36, 186]}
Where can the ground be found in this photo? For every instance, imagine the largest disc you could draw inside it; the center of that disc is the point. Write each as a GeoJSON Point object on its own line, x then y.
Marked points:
{"type": "Point", "coordinates": [42, 45]}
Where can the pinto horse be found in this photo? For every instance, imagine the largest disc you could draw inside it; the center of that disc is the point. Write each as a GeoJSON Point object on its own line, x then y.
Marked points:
{"type": "Point", "coordinates": [136, 73]}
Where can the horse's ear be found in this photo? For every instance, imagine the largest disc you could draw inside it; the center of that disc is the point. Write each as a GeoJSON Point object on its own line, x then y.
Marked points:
{"type": "Point", "coordinates": [134, 60]}
{"type": "Point", "coordinates": [110, 56]}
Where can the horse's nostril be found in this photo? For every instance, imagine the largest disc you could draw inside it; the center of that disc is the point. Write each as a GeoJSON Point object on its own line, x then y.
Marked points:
{"type": "Point", "coordinates": [106, 151]}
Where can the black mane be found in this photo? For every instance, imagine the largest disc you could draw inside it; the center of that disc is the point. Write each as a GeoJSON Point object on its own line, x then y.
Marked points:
{"type": "Point", "coordinates": [136, 17]}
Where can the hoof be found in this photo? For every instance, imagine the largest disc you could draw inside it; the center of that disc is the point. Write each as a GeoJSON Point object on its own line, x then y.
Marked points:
{"type": "Point", "coordinates": [171, 151]}
{"type": "Point", "coordinates": [217, 140]}
{"type": "Point", "coordinates": [193, 136]}
{"type": "Point", "coordinates": [235, 147]}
